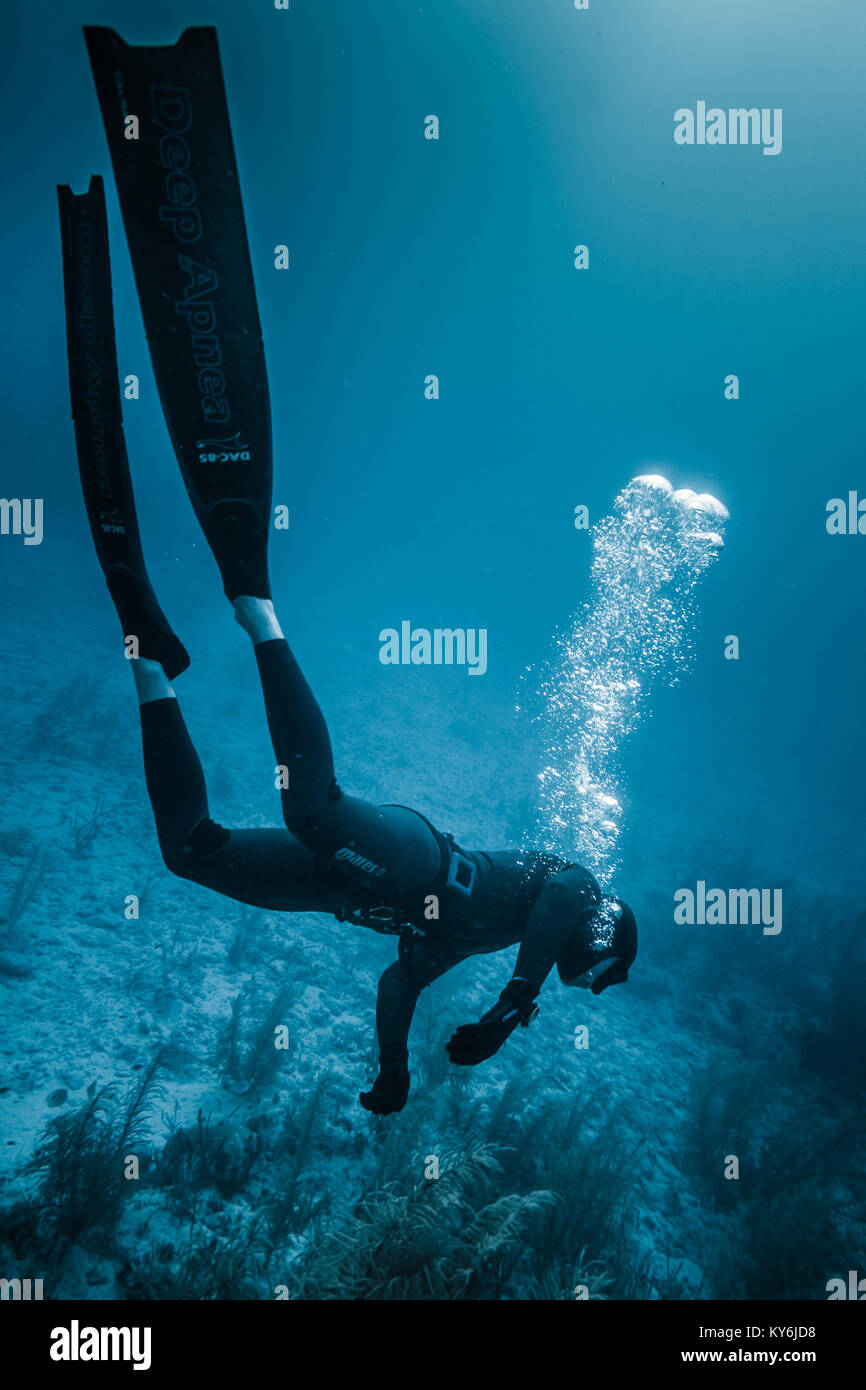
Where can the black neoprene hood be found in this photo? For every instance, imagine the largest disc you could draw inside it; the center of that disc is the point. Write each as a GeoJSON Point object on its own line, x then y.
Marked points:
{"type": "Point", "coordinates": [581, 952]}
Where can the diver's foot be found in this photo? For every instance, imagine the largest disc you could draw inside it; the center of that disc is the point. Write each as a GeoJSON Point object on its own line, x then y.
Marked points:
{"type": "Point", "coordinates": [238, 536]}
{"type": "Point", "coordinates": [151, 682]}
{"type": "Point", "coordinates": [257, 618]}
{"type": "Point", "coordinates": [141, 617]}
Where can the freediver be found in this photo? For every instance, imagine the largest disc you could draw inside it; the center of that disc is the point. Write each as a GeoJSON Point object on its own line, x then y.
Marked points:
{"type": "Point", "coordinates": [375, 866]}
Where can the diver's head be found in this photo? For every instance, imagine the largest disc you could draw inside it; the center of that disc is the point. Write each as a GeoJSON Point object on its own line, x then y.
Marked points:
{"type": "Point", "coordinates": [601, 948]}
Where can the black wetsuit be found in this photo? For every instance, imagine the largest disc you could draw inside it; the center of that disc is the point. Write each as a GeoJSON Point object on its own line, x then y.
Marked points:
{"type": "Point", "coordinates": [347, 856]}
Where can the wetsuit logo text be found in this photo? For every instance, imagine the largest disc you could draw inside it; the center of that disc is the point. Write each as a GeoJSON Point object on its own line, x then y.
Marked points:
{"type": "Point", "coordinates": [350, 856]}
{"type": "Point", "coordinates": [444, 646]}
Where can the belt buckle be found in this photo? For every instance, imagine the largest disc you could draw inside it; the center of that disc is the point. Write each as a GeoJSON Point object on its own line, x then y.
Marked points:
{"type": "Point", "coordinates": [461, 874]}
{"type": "Point", "coordinates": [382, 916]}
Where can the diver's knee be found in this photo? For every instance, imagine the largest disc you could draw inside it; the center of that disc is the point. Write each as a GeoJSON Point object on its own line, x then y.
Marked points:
{"type": "Point", "coordinates": [207, 837]}
{"type": "Point", "coordinates": [181, 857]}
{"type": "Point", "coordinates": [174, 858]}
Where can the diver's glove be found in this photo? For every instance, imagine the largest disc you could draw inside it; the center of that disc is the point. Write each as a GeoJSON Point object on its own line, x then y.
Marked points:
{"type": "Point", "coordinates": [390, 1090]}
{"type": "Point", "coordinates": [475, 1042]}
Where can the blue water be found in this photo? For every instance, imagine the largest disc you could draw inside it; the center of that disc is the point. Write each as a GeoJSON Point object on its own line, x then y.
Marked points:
{"type": "Point", "coordinates": [455, 257]}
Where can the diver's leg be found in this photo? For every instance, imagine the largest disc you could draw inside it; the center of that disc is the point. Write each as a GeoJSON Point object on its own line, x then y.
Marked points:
{"type": "Point", "coordinates": [267, 868]}
{"type": "Point", "coordinates": [387, 848]}
{"type": "Point", "coordinates": [172, 771]}
{"type": "Point", "coordinates": [195, 285]}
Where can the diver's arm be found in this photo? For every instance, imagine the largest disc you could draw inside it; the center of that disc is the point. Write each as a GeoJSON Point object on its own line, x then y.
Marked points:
{"type": "Point", "coordinates": [395, 1007]}
{"type": "Point", "coordinates": [558, 908]}
{"type": "Point", "coordinates": [554, 916]}
{"type": "Point", "coordinates": [399, 988]}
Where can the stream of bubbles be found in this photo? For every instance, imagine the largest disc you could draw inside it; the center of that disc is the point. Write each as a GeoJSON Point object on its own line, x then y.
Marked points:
{"type": "Point", "coordinates": [633, 633]}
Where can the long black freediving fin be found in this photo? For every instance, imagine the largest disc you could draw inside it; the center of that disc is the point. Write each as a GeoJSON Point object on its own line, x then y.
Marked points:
{"type": "Point", "coordinates": [167, 123]}
{"type": "Point", "coordinates": [94, 388]}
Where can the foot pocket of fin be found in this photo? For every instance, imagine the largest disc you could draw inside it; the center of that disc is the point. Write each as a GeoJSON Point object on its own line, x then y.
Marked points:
{"type": "Point", "coordinates": [141, 616]}
{"type": "Point", "coordinates": [238, 536]}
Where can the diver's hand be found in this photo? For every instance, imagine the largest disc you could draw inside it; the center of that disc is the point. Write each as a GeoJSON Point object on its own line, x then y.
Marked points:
{"type": "Point", "coordinates": [389, 1092]}
{"type": "Point", "coordinates": [475, 1042]}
